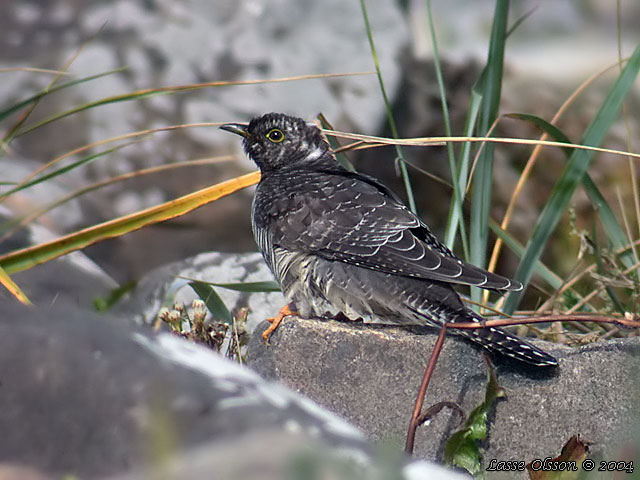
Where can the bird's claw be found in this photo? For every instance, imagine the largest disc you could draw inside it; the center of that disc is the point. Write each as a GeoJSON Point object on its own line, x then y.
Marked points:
{"type": "Point", "coordinates": [276, 321]}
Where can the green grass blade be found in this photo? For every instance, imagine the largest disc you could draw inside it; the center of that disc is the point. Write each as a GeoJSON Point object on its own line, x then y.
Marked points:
{"type": "Point", "coordinates": [476, 102]}
{"type": "Point", "coordinates": [102, 304]}
{"type": "Point", "coordinates": [65, 169]}
{"type": "Point", "coordinates": [7, 227]}
{"type": "Point", "coordinates": [520, 20]}
{"type": "Point", "coordinates": [392, 124]}
{"type": "Point", "coordinates": [456, 218]}
{"type": "Point", "coordinates": [456, 212]}
{"type": "Point", "coordinates": [516, 247]}
{"type": "Point", "coordinates": [214, 303]}
{"type": "Point", "coordinates": [171, 90]}
{"type": "Point", "coordinates": [87, 106]}
{"type": "Point", "coordinates": [478, 94]}
{"type": "Point", "coordinates": [24, 103]}
{"type": "Point", "coordinates": [573, 175]}
{"type": "Point", "coordinates": [249, 287]}
{"type": "Point", "coordinates": [464, 165]}
{"type": "Point", "coordinates": [615, 233]}
{"type": "Point", "coordinates": [553, 131]}
{"type": "Point", "coordinates": [483, 176]}
{"type": "Point", "coordinates": [597, 253]}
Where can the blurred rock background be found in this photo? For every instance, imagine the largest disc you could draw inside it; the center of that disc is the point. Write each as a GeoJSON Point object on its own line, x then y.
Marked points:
{"type": "Point", "coordinates": [168, 42]}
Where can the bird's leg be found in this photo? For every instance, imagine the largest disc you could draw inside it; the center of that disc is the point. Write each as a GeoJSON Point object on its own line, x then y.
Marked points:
{"type": "Point", "coordinates": [275, 321]}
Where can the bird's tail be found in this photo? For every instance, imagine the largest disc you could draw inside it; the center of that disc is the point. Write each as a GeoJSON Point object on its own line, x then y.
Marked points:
{"type": "Point", "coordinates": [500, 341]}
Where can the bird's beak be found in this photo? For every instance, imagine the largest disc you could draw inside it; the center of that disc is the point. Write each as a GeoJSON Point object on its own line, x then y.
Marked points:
{"type": "Point", "coordinates": [237, 128]}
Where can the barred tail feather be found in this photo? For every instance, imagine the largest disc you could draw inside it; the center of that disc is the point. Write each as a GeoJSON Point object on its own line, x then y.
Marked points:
{"type": "Point", "coordinates": [500, 341]}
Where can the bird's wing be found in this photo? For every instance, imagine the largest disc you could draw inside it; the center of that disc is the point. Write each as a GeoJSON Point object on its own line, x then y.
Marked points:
{"type": "Point", "coordinates": [352, 218]}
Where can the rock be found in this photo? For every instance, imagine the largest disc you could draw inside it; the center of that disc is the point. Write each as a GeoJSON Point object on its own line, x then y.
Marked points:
{"type": "Point", "coordinates": [70, 215]}
{"type": "Point", "coordinates": [72, 278]}
{"type": "Point", "coordinates": [278, 456]}
{"type": "Point", "coordinates": [164, 285]}
{"type": "Point", "coordinates": [370, 375]}
{"type": "Point", "coordinates": [86, 396]}
{"type": "Point", "coordinates": [12, 472]}
{"type": "Point", "coordinates": [164, 44]}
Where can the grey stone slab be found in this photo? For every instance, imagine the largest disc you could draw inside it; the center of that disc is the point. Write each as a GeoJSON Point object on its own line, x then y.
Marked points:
{"type": "Point", "coordinates": [89, 396]}
{"type": "Point", "coordinates": [86, 395]}
{"type": "Point", "coordinates": [370, 375]}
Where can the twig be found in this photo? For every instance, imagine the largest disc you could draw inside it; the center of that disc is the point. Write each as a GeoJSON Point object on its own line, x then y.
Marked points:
{"type": "Point", "coordinates": [625, 322]}
{"type": "Point", "coordinates": [417, 409]}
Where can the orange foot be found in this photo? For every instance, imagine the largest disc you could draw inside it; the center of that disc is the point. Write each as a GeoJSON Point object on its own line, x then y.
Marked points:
{"type": "Point", "coordinates": [275, 322]}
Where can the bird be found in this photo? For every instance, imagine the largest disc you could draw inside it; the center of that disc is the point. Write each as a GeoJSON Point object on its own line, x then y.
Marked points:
{"type": "Point", "coordinates": [341, 243]}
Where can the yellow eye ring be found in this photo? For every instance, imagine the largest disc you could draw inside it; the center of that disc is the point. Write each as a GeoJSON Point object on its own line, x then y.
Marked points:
{"type": "Point", "coordinates": [275, 135]}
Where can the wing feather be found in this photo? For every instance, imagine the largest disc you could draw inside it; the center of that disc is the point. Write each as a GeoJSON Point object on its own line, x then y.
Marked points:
{"type": "Point", "coordinates": [352, 218]}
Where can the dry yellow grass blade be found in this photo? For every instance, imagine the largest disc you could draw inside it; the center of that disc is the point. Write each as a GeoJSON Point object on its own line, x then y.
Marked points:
{"type": "Point", "coordinates": [110, 181]}
{"type": "Point", "coordinates": [13, 288]}
{"type": "Point", "coordinates": [430, 141]}
{"type": "Point", "coordinates": [28, 257]}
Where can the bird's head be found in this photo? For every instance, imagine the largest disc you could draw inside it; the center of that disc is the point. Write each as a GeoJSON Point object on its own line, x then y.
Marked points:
{"type": "Point", "coordinates": [276, 140]}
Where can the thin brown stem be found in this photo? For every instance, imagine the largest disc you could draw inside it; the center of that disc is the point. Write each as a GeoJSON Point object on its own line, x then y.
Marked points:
{"type": "Point", "coordinates": [417, 409]}
{"type": "Point", "coordinates": [626, 322]}
{"type": "Point", "coordinates": [417, 418]}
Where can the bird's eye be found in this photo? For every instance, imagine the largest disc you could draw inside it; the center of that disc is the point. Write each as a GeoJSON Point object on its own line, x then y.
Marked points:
{"type": "Point", "coordinates": [275, 135]}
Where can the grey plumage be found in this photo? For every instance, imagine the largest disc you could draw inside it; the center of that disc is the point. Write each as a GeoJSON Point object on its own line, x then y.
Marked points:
{"type": "Point", "coordinates": [339, 241]}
